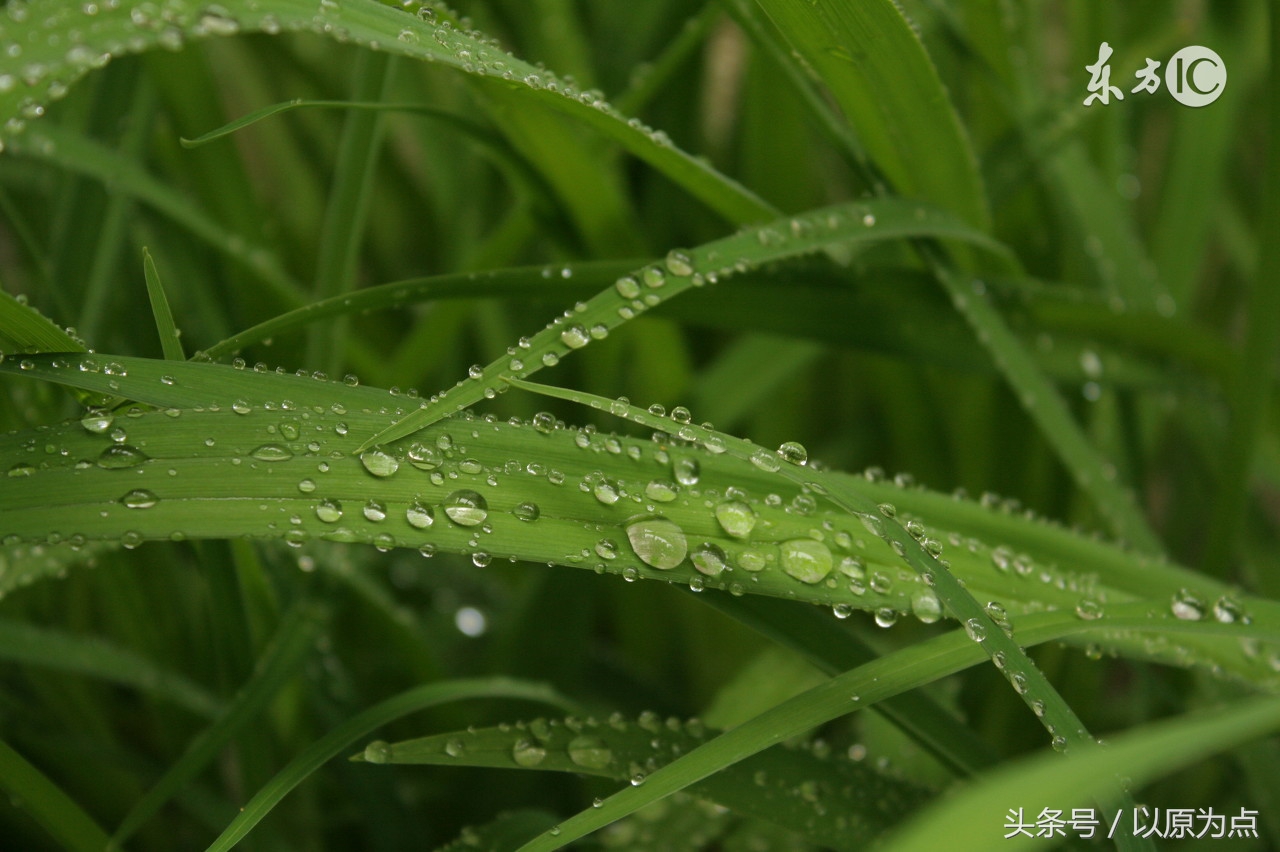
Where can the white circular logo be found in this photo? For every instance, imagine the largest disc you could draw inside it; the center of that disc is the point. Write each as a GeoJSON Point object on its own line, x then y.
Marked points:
{"type": "Point", "coordinates": [1196, 76]}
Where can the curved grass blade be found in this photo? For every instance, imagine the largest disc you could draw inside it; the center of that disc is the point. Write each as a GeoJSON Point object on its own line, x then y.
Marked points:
{"type": "Point", "coordinates": [855, 690]}
{"type": "Point", "coordinates": [24, 329]}
{"type": "Point", "coordinates": [361, 725]}
{"type": "Point", "coordinates": [974, 819]}
{"type": "Point", "coordinates": [289, 648]}
{"type": "Point", "coordinates": [843, 804]}
{"type": "Point", "coordinates": [214, 464]}
{"type": "Point", "coordinates": [48, 804]}
{"type": "Point", "coordinates": [26, 644]}
{"type": "Point", "coordinates": [111, 32]}
{"type": "Point", "coordinates": [632, 295]}
{"type": "Point", "coordinates": [986, 626]}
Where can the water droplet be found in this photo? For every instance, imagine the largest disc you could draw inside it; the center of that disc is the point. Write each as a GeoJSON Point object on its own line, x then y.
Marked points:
{"type": "Point", "coordinates": [590, 752]}
{"type": "Point", "coordinates": [886, 617]}
{"type": "Point", "coordinates": [976, 630]}
{"type": "Point", "coordinates": [379, 462]}
{"type": "Point", "coordinates": [20, 469]}
{"type": "Point", "coordinates": [1228, 610]}
{"type": "Point", "coordinates": [793, 453]}
{"type": "Point", "coordinates": [419, 515]}
{"type": "Point", "coordinates": [140, 498]}
{"type": "Point", "coordinates": [926, 606]}
{"type": "Point", "coordinates": [424, 456]}
{"type": "Point", "coordinates": [374, 511]}
{"type": "Point", "coordinates": [686, 470]}
{"type": "Point", "coordinates": [272, 453]}
{"type": "Point", "coordinates": [679, 263]}
{"type": "Point", "coordinates": [575, 337]}
{"type": "Point", "coordinates": [627, 287]}
{"type": "Point", "coordinates": [466, 508]}
{"type": "Point", "coordinates": [528, 512]}
{"type": "Point", "coordinates": [806, 560]}
{"type": "Point", "coordinates": [97, 422]}
{"type": "Point", "coordinates": [1187, 607]}
{"type": "Point", "coordinates": [654, 277]}
{"type": "Point", "coordinates": [377, 751]}
{"type": "Point", "coordinates": [455, 747]}
{"type": "Point", "coordinates": [1089, 609]}
{"type": "Point", "coordinates": [708, 559]}
{"type": "Point", "coordinates": [661, 491]}
{"type": "Point", "coordinates": [658, 542]}
{"type": "Point", "coordinates": [766, 460]}
{"type": "Point", "coordinates": [737, 518]}
{"type": "Point", "coordinates": [329, 511]}
{"type": "Point", "coordinates": [528, 753]}
{"type": "Point", "coordinates": [605, 491]}
{"type": "Point", "coordinates": [121, 456]}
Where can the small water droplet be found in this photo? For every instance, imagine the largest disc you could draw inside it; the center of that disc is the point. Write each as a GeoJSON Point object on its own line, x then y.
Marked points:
{"type": "Point", "coordinates": [1187, 607]}
{"type": "Point", "coordinates": [590, 752]}
{"type": "Point", "coordinates": [686, 470]}
{"type": "Point", "coordinates": [527, 511]}
{"type": "Point", "coordinates": [374, 511]}
{"type": "Point", "coordinates": [329, 511]}
{"type": "Point", "coordinates": [528, 753]}
{"type": "Point", "coordinates": [708, 559]}
{"type": "Point", "coordinates": [926, 606]}
{"type": "Point", "coordinates": [420, 515]}
{"type": "Point", "coordinates": [424, 457]}
{"type": "Point", "coordinates": [679, 263]}
{"type": "Point", "coordinates": [377, 751]}
{"type": "Point", "coordinates": [97, 422]}
{"type": "Point", "coordinates": [975, 629]}
{"type": "Point", "coordinates": [661, 491]}
{"type": "Point", "coordinates": [793, 453]}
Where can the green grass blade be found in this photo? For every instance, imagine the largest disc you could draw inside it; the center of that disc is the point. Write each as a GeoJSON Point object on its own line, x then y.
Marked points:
{"type": "Point", "coordinates": [45, 801]}
{"type": "Point", "coordinates": [290, 646]}
{"type": "Point", "coordinates": [879, 73]}
{"type": "Point", "coordinates": [165, 327]}
{"type": "Point", "coordinates": [29, 645]}
{"type": "Point", "coordinates": [974, 819]}
{"type": "Point", "coordinates": [807, 233]}
{"type": "Point", "coordinates": [847, 803]}
{"type": "Point", "coordinates": [361, 725]}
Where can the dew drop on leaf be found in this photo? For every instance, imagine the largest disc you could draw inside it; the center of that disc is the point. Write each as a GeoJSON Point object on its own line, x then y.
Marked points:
{"type": "Point", "coordinates": [806, 560]}
{"type": "Point", "coordinates": [121, 457]}
{"type": "Point", "coordinates": [793, 453]}
{"type": "Point", "coordinates": [272, 453]}
{"type": "Point", "coordinates": [658, 542]}
{"type": "Point", "coordinates": [737, 518]}
{"type": "Point", "coordinates": [708, 559]}
{"type": "Point", "coordinates": [1187, 607]}
{"type": "Point", "coordinates": [379, 462]}
{"type": "Point", "coordinates": [419, 515]}
{"type": "Point", "coordinates": [466, 508]}
{"type": "Point", "coordinates": [590, 752]}
{"type": "Point", "coordinates": [377, 751]}
{"type": "Point", "coordinates": [527, 753]}
{"type": "Point", "coordinates": [329, 511]}
{"type": "Point", "coordinates": [527, 511]}
{"type": "Point", "coordinates": [140, 498]}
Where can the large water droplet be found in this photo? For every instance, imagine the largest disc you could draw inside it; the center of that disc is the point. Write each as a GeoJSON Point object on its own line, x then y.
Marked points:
{"type": "Point", "coordinates": [466, 508]}
{"type": "Point", "coordinates": [926, 606]}
{"type": "Point", "coordinates": [806, 560]}
{"type": "Point", "coordinates": [661, 491]}
{"type": "Point", "coordinates": [737, 518]}
{"type": "Point", "coordinates": [679, 263]}
{"type": "Point", "coordinates": [794, 453]}
{"type": "Point", "coordinates": [419, 515]}
{"type": "Point", "coordinates": [658, 542]}
{"type": "Point", "coordinates": [379, 462]}
{"type": "Point", "coordinates": [575, 337]}
{"type": "Point", "coordinates": [424, 457]}
{"type": "Point", "coordinates": [590, 752]}
{"type": "Point", "coordinates": [272, 453]}
{"type": "Point", "coordinates": [1187, 607]}
{"type": "Point", "coordinates": [140, 498]}
{"type": "Point", "coordinates": [121, 456]}
{"type": "Point", "coordinates": [686, 470]}
{"type": "Point", "coordinates": [97, 422]}
{"type": "Point", "coordinates": [377, 751]}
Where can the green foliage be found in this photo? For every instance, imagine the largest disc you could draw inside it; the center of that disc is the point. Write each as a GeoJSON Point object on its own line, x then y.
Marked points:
{"type": "Point", "coordinates": [890, 234]}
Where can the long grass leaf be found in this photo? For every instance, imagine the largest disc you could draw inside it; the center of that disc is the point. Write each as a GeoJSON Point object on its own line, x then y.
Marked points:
{"type": "Point", "coordinates": [165, 327]}
{"type": "Point", "coordinates": [41, 797]}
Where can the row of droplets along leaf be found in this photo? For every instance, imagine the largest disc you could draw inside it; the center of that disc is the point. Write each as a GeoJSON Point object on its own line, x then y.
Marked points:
{"type": "Point", "coordinates": [986, 568]}
{"type": "Point", "coordinates": [802, 784]}
{"type": "Point", "coordinates": [461, 489]}
{"type": "Point", "coordinates": [683, 269]}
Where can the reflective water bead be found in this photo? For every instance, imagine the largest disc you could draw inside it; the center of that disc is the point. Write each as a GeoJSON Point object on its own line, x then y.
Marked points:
{"type": "Point", "coordinates": [466, 508]}
{"type": "Point", "coordinates": [658, 542]}
{"type": "Point", "coordinates": [806, 560]}
{"type": "Point", "coordinates": [737, 518]}
{"type": "Point", "coordinates": [379, 462]}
